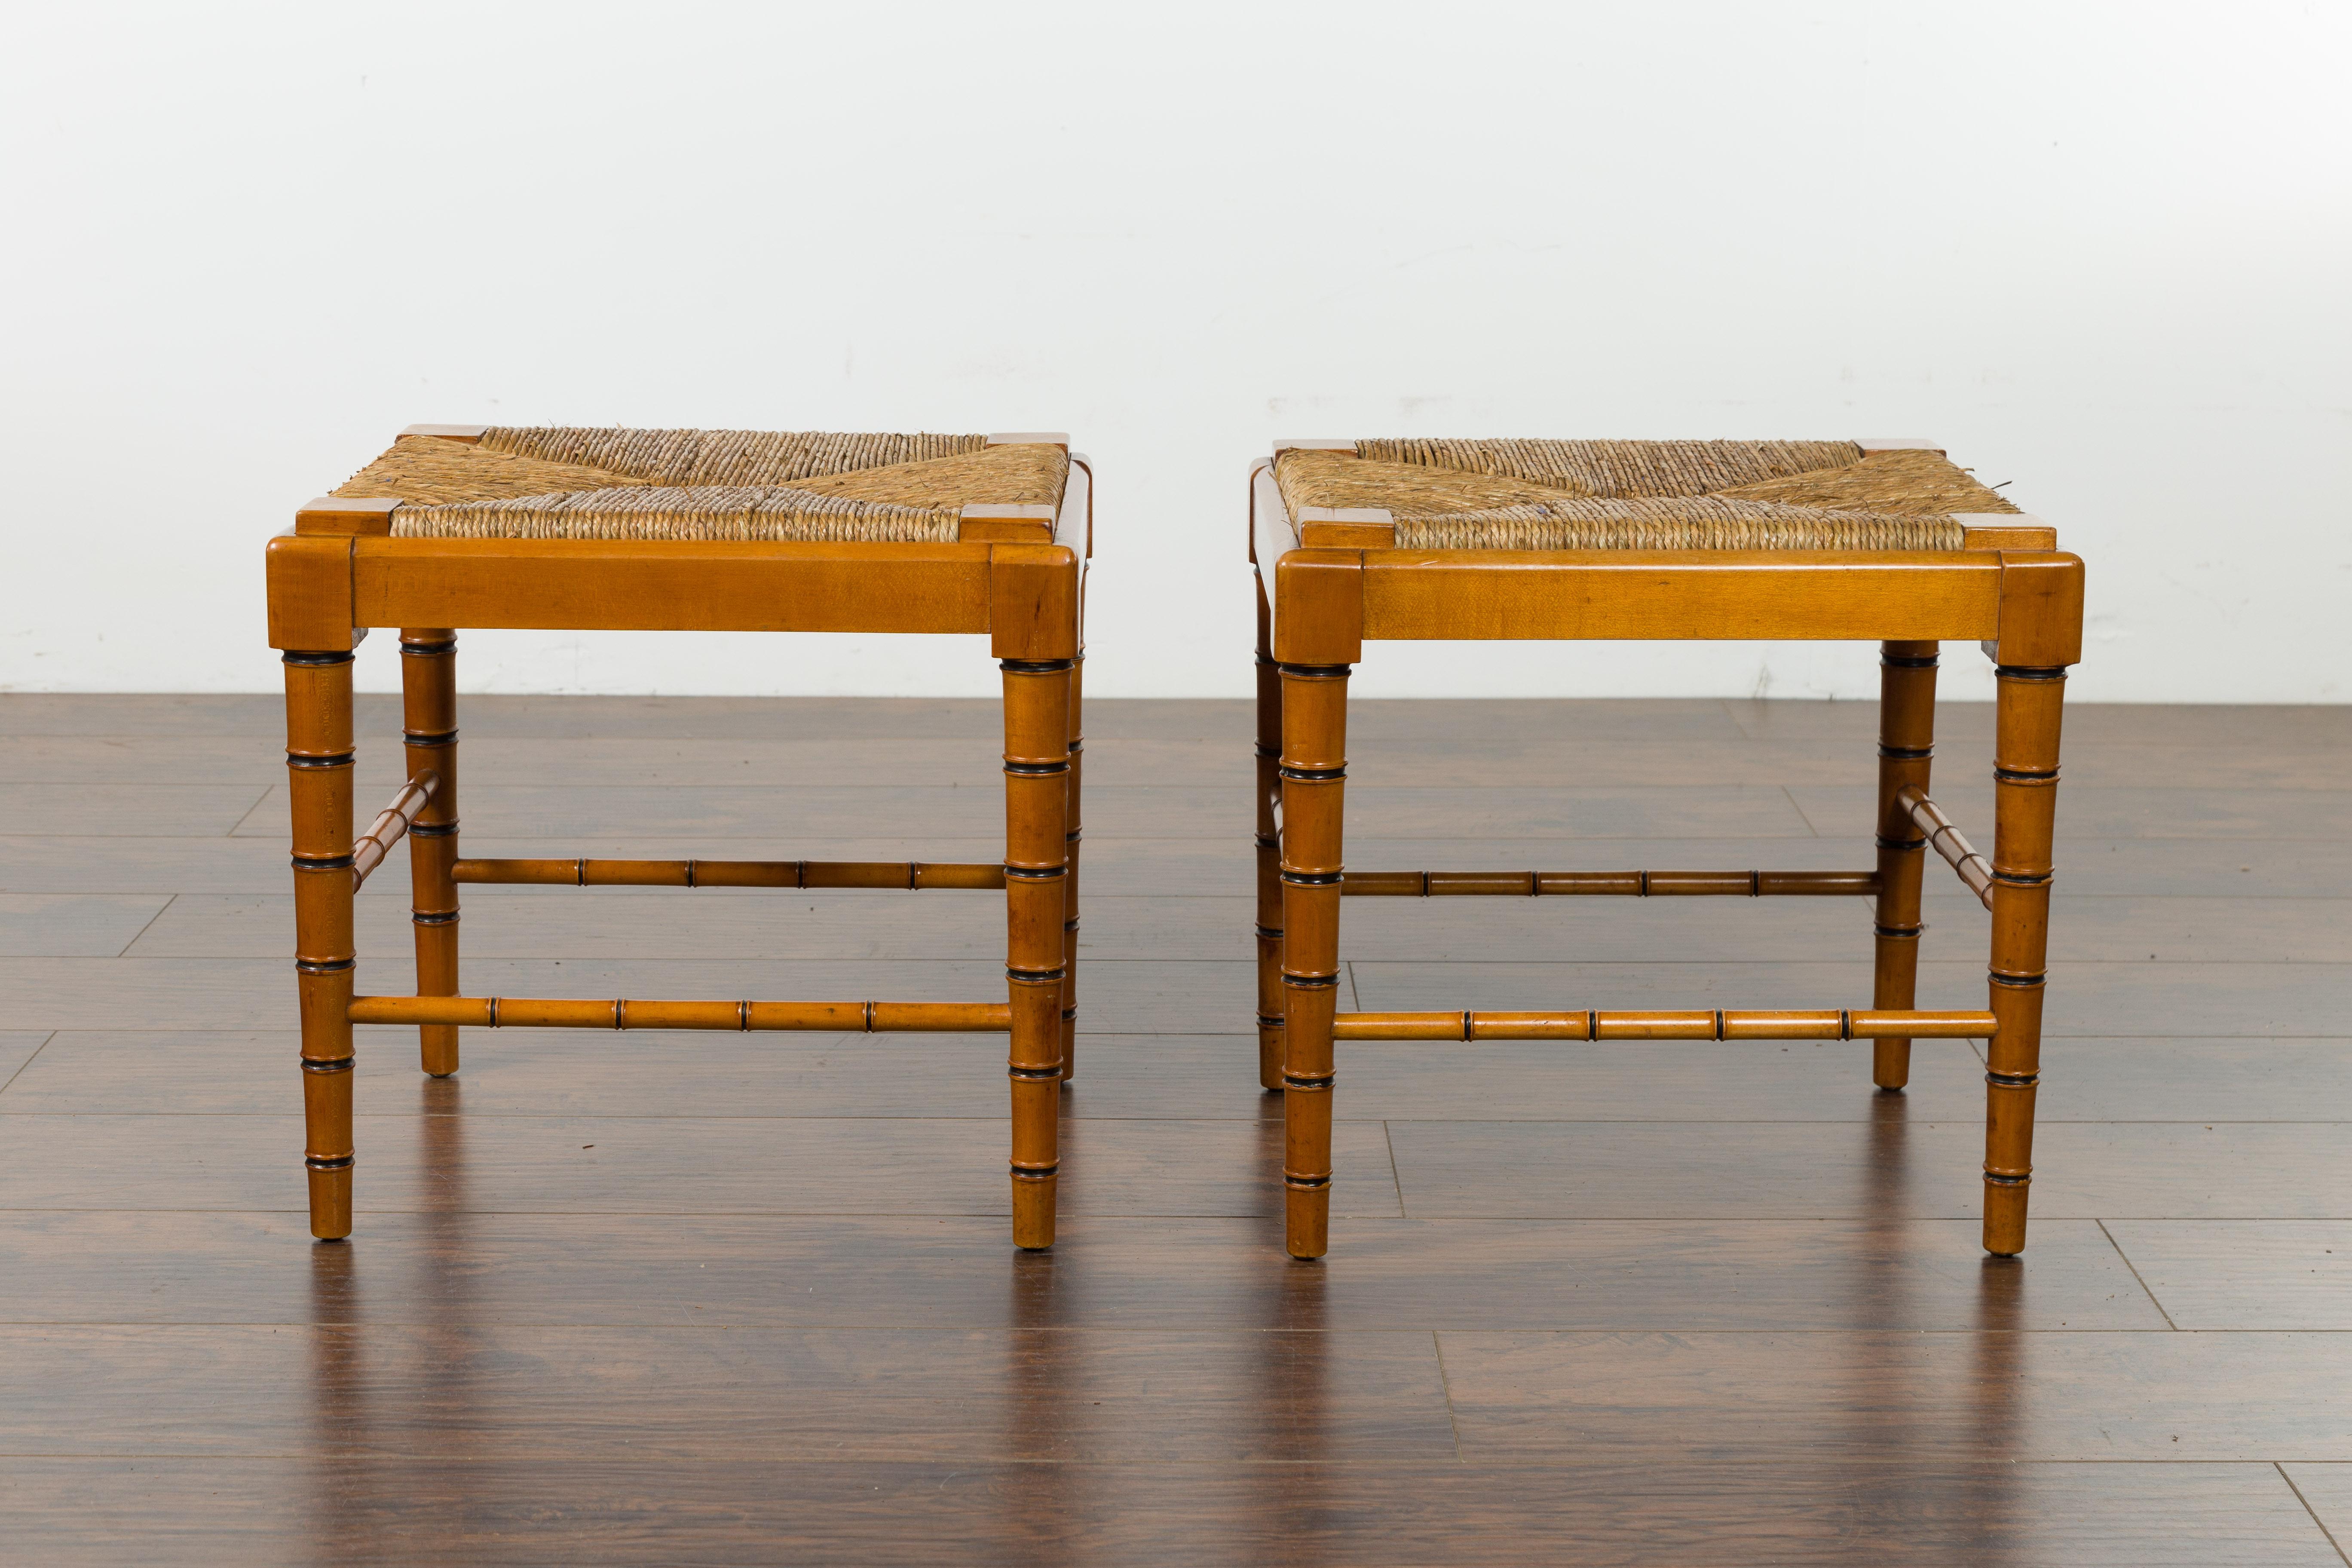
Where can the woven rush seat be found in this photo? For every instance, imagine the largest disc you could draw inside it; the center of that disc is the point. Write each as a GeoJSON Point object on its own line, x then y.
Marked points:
{"type": "Point", "coordinates": [456, 527]}
{"type": "Point", "coordinates": [1636, 495]}
{"type": "Point", "coordinates": [561, 482]}
{"type": "Point", "coordinates": [1364, 548]}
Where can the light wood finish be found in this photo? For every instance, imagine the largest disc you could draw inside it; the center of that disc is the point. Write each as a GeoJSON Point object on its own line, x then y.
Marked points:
{"type": "Point", "coordinates": [1946, 840]}
{"type": "Point", "coordinates": [428, 686]}
{"type": "Point", "coordinates": [1345, 584]}
{"type": "Point", "coordinates": [1037, 878]}
{"type": "Point", "coordinates": [1719, 1024]}
{"type": "Point", "coordinates": [1621, 884]}
{"type": "Point", "coordinates": [341, 571]}
{"type": "Point", "coordinates": [910, 875]}
{"type": "Point", "coordinates": [1678, 595]}
{"type": "Point", "coordinates": [319, 780]}
{"type": "Point", "coordinates": [1314, 771]}
{"type": "Point", "coordinates": [1906, 749]}
{"type": "Point", "coordinates": [391, 826]}
{"type": "Point", "coordinates": [544, 1013]}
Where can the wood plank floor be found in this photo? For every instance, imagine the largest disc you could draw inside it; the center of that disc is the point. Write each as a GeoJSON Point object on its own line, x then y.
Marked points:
{"type": "Point", "coordinates": [729, 1299]}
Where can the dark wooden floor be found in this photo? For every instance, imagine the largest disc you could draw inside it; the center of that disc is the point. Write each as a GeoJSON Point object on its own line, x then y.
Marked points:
{"type": "Point", "coordinates": [680, 1298]}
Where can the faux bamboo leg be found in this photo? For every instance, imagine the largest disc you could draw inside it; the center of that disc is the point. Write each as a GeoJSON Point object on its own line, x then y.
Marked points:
{"type": "Point", "coordinates": [1036, 874]}
{"type": "Point", "coordinates": [1313, 774]}
{"type": "Point", "coordinates": [1269, 856]}
{"type": "Point", "coordinates": [319, 780]}
{"type": "Point", "coordinates": [428, 681]}
{"type": "Point", "coordinates": [2025, 795]}
{"type": "Point", "coordinates": [1070, 883]}
{"type": "Point", "coordinates": [1906, 746]}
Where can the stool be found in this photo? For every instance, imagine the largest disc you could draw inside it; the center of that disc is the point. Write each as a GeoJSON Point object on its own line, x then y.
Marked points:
{"type": "Point", "coordinates": [1656, 540]}
{"type": "Point", "coordinates": [459, 526]}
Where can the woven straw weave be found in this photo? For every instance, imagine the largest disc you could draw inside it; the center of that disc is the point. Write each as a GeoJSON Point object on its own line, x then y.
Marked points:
{"type": "Point", "coordinates": [1644, 495]}
{"type": "Point", "coordinates": [575, 483]}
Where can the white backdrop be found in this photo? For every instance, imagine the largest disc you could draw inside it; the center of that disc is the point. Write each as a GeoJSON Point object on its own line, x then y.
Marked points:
{"type": "Point", "coordinates": [2097, 249]}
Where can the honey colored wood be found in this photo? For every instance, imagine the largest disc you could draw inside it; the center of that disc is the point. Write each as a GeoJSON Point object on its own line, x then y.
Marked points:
{"type": "Point", "coordinates": [310, 607]}
{"type": "Point", "coordinates": [1818, 1024]}
{"type": "Point", "coordinates": [341, 572]}
{"type": "Point", "coordinates": [1313, 769]}
{"type": "Point", "coordinates": [391, 826]}
{"type": "Point", "coordinates": [1033, 601]}
{"type": "Point", "coordinates": [428, 684]}
{"type": "Point", "coordinates": [2025, 602]}
{"type": "Point", "coordinates": [1622, 884]}
{"type": "Point", "coordinates": [1680, 594]}
{"type": "Point", "coordinates": [1072, 833]}
{"type": "Point", "coordinates": [673, 586]}
{"type": "Point", "coordinates": [1347, 528]}
{"type": "Point", "coordinates": [912, 875]}
{"type": "Point", "coordinates": [543, 1012]}
{"type": "Point", "coordinates": [1269, 935]}
{"type": "Point", "coordinates": [2025, 791]}
{"type": "Point", "coordinates": [1975, 872]}
{"type": "Point", "coordinates": [1005, 525]}
{"type": "Point", "coordinates": [1906, 749]}
{"type": "Point", "coordinates": [319, 779]}
{"type": "Point", "coordinates": [350, 517]}
{"type": "Point", "coordinates": [1037, 726]}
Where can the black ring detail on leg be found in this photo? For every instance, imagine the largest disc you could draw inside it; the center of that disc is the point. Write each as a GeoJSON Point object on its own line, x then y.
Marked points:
{"type": "Point", "coordinates": [319, 660]}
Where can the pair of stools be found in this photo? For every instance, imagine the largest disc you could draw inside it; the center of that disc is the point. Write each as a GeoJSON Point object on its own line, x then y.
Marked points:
{"type": "Point", "coordinates": [472, 526]}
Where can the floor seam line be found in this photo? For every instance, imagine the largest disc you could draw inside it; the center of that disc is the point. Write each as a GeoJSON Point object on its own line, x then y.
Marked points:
{"type": "Point", "coordinates": [1446, 1388]}
{"type": "Point", "coordinates": [2306, 1501]}
{"type": "Point", "coordinates": [169, 899]}
{"type": "Point", "coordinates": [28, 1061]}
{"type": "Point", "coordinates": [2136, 1274]}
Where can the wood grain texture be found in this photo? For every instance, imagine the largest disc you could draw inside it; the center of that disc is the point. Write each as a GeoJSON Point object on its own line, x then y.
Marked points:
{"type": "Point", "coordinates": [1811, 1301]}
{"type": "Point", "coordinates": [935, 1272]}
{"type": "Point", "coordinates": [689, 1392]}
{"type": "Point", "coordinates": [264, 1513]}
{"type": "Point", "coordinates": [2250, 1274]}
{"type": "Point", "coordinates": [79, 925]}
{"type": "Point", "coordinates": [1912, 1170]}
{"type": "Point", "coordinates": [1871, 1398]}
{"type": "Point", "coordinates": [2240, 1000]}
{"type": "Point", "coordinates": [249, 994]}
{"type": "Point", "coordinates": [647, 1165]}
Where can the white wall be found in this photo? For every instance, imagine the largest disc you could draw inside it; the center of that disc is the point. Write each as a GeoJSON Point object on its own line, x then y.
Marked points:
{"type": "Point", "coordinates": [2097, 250]}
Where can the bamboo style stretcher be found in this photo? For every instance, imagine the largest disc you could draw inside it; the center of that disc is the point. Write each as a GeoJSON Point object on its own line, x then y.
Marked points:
{"type": "Point", "coordinates": [673, 530]}
{"type": "Point", "coordinates": [1923, 568]}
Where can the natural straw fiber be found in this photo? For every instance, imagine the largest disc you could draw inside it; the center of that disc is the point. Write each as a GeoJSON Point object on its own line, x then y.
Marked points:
{"type": "Point", "coordinates": [576, 483]}
{"type": "Point", "coordinates": [1644, 495]}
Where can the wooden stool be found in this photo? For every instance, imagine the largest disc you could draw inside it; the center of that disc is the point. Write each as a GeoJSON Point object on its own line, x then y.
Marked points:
{"type": "Point", "coordinates": [673, 530]}
{"type": "Point", "coordinates": [1656, 540]}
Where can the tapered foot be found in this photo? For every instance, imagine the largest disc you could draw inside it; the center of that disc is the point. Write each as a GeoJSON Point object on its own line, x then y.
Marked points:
{"type": "Point", "coordinates": [440, 1049]}
{"type": "Point", "coordinates": [1307, 1221]}
{"type": "Point", "coordinates": [1890, 1063]}
{"type": "Point", "coordinates": [1032, 1212]}
{"type": "Point", "coordinates": [2004, 1217]}
{"type": "Point", "coordinates": [330, 1203]}
{"type": "Point", "coordinates": [1269, 1057]}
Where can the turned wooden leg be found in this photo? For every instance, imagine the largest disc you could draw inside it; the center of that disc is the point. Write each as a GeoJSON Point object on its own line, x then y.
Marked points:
{"type": "Point", "coordinates": [2025, 797]}
{"type": "Point", "coordinates": [1036, 873]}
{"type": "Point", "coordinates": [1906, 746]}
{"type": "Point", "coordinates": [428, 682]}
{"type": "Point", "coordinates": [1070, 881]}
{"type": "Point", "coordinates": [1269, 856]}
{"type": "Point", "coordinates": [319, 780]}
{"type": "Point", "coordinates": [1313, 780]}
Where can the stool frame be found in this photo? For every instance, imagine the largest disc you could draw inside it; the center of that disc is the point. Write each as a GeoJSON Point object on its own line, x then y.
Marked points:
{"type": "Point", "coordinates": [1016, 574]}
{"type": "Point", "coordinates": [1335, 580]}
